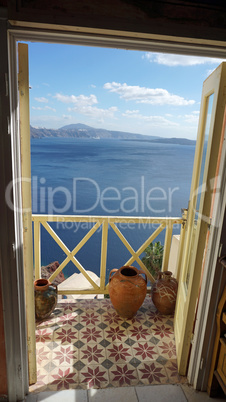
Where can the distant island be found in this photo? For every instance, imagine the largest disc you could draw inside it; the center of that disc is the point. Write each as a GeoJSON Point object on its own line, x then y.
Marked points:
{"type": "Point", "coordinates": [84, 131]}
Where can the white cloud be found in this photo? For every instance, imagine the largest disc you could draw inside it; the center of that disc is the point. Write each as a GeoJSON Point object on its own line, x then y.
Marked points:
{"type": "Point", "coordinates": [131, 112]}
{"type": "Point", "coordinates": [42, 100]}
{"type": "Point", "coordinates": [50, 108]}
{"type": "Point", "coordinates": [154, 96]}
{"type": "Point", "coordinates": [155, 121]}
{"type": "Point", "coordinates": [67, 116]}
{"type": "Point", "coordinates": [173, 60]}
{"type": "Point", "coordinates": [85, 105]}
{"type": "Point", "coordinates": [93, 86]}
{"type": "Point", "coordinates": [192, 118]}
{"type": "Point", "coordinates": [81, 100]}
{"type": "Point", "coordinates": [95, 112]}
{"type": "Point", "coordinates": [43, 108]}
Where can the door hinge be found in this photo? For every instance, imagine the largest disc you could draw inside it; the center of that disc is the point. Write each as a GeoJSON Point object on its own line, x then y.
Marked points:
{"type": "Point", "coordinates": [209, 222]}
{"type": "Point", "coordinates": [25, 221]}
{"type": "Point", "coordinates": [184, 212]}
{"type": "Point", "coordinates": [192, 338]}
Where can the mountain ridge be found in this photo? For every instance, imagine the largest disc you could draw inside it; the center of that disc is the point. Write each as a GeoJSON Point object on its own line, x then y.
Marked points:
{"type": "Point", "coordinates": [83, 131]}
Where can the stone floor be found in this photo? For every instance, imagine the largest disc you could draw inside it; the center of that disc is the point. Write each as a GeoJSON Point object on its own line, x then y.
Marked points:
{"type": "Point", "coordinates": [85, 345]}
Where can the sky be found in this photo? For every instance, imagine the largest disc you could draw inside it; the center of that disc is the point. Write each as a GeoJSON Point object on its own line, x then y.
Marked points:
{"type": "Point", "coordinates": [123, 90]}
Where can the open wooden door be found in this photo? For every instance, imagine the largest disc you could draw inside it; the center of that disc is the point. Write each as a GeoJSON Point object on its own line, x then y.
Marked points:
{"type": "Point", "coordinates": [198, 218]}
{"type": "Point", "coordinates": [23, 86]}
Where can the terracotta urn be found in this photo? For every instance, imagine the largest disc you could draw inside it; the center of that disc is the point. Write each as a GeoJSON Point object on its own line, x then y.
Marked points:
{"type": "Point", "coordinates": [164, 293]}
{"type": "Point", "coordinates": [127, 290]}
{"type": "Point", "coordinates": [45, 298]}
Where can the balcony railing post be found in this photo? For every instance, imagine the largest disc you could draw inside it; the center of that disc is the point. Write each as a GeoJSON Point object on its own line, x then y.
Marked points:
{"type": "Point", "coordinates": [167, 244]}
{"type": "Point", "coordinates": [181, 245]}
{"type": "Point", "coordinates": [103, 262]}
{"type": "Point", "coordinates": [37, 249]}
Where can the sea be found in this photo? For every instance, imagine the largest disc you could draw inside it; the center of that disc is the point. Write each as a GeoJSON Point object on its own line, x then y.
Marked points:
{"type": "Point", "coordinates": [110, 177]}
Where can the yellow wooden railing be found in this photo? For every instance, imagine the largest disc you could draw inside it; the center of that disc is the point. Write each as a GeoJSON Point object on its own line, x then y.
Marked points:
{"type": "Point", "coordinates": [105, 222]}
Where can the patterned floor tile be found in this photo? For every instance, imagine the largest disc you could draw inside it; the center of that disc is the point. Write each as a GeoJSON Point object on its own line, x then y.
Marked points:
{"type": "Point", "coordinates": [85, 344]}
{"type": "Point", "coordinates": [167, 349]}
{"type": "Point", "coordinates": [162, 331]}
{"type": "Point", "coordinates": [89, 304]}
{"type": "Point", "coordinates": [63, 378]}
{"type": "Point", "coordinates": [119, 353]}
{"type": "Point", "coordinates": [66, 335]}
{"type": "Point", "coordinates": [43, 354]}
{"type": "Point", "coordinates": [79, 365]}
{"type": "Point", "coordinates": [90, 319]}
{"type": "Point", "coordinates": [111, 317]}
{"type": "Point", "coordinates": [94, 376]}
{"type": "Point", "coordinates": [154, 340]}
{"type": "Point", "coordinates": [47, 323]}
{"type": "Point", "coordinates": [139, 332]}
{"type": "Point", "coordinates": [107, 305]}
{"type": "Point", "coordinates": [135, 362]}
{"type": "Point", "coordinates": [44, 335]}
{"type": "Point", "coordinates": [65, 355]}
{"type": "Point", "coordinates": [139, 318]}
{"type": "Point", "coordinates": [162, 360]}
{"type": "Point", "coordinates": [107, 363]}
{"type": "Point", "coordinates": [170, 321]}
{"type": "Point", "coordinates": [149, 305]}
{"type": "Point", "coordinates": [92, 353]}
{"type": "Point", "coordinates": [145, 351]}
{"type": "Point", "coordinates": [49, 345]}
{"type": "Point", "coordinates": [154, 317]}
{"type": "Point", "coordinates": [68, 319]}
{"type": "Point", "coordinates": [123, 375]}
{"type": "Point", "coordinates": [115, 334]}
{"type": "Point", "coordinates": [91, 335]}
{"type": "Point", "coordinates": [172, 373]}
{"type": "Point", "coordinates": [49, 367]}
{"type": "Point", "coordinates": [152, 373]}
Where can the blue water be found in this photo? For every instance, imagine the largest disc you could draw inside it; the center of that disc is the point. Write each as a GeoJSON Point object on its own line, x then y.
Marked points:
{"type": "Point", "coordinates": [106, 177]}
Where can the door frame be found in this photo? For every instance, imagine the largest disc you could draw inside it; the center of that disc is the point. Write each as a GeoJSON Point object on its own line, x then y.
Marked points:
{"type": "Point", "coordinates": [11, 253]}
{"type": "Point", "coordinates": [194, 253]}
{"type": "Point", "coordinates": [103, 38]}
{"type": "Point", "coordinates": [205, 325]}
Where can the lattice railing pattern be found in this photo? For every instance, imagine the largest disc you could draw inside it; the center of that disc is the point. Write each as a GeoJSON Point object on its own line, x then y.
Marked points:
{"type": "Point", "coordinates": [105, 222]}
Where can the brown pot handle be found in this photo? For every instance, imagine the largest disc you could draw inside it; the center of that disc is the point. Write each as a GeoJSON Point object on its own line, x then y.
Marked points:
{"type": "Point", "coordinates": [143, 273]}
{"type": "Point", "coordinates": [167, 274]}
{"type": "Point", "coordinates": [54, 285]}
{"type": "Point", "coordinates": [112, 271]}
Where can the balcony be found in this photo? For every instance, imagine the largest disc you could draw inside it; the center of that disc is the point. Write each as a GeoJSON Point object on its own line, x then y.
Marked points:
{"type": "Point", "coordinates": [103, 223]}
{"type": "Point", "coordinates": [84, 343]}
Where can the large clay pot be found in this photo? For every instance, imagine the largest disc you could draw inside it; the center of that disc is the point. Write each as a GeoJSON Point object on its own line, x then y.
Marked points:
{"type": "Point", "coordinates": [164, 292]}
{"type": "Point", "coordinates": [127, 290]}
{"type": "Point", "coordinates": [45, 298]}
